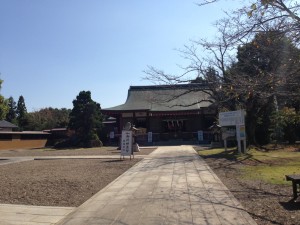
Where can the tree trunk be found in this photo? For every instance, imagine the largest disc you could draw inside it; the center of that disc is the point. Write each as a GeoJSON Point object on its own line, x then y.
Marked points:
{"type": "Point", "coordinates": [251, 122]}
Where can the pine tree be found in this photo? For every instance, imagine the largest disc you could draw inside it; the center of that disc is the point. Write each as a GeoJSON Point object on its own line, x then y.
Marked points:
{"type": "Point", "coordinates": [86, 119]}
{"type": "Point", "coordinates": [12, 113]}
{"type": "Point", "coordinates": [21, 113]}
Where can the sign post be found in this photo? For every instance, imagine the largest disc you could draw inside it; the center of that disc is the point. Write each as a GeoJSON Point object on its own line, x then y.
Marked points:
{"type": "Point", "coordinates": [237, 119]}
{"type": "Point", "coordinates": [126, 143]}
{"type": "Point", "coordinates": [241, 136]}
{"type": "Point", "coordinates": [226, 133]}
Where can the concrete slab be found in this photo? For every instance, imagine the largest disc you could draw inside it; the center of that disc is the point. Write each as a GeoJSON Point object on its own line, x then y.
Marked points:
{"type": "Point", "coordinates": [32, 215]}
{"type": "Point", "coordinates": [9, 160]}
{"type": "Point", "coordinates": [172, 185]}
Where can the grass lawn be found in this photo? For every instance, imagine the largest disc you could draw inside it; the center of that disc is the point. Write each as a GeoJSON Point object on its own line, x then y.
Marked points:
{"type": "Point", "coordinates": [269, 166]}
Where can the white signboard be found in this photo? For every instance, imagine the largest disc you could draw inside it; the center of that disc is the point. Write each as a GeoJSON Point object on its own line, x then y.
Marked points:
{"type": "Point", "coordinates": [127, 115]}
{"type": "Point", "coordinates": [200, 135]}
{"type": "Point", "coordinates": [112, 135]}
{"type": "Point", "coordinates": [140, 114]}
{"type": "Point", "coordinates": [226, 133]}
{"type": "Point", "coordinates": [237, 119]}
{"type": "Point", "coordinates": [149, 136]}
{"type": "Point", "coordinates": [232, 118]}
{"type": "Point", "coordinates": [241, 132]}
{"type": "Point", "coordinates": [241, 137]}
{"type": "Point", "coordinates": [126, 143]}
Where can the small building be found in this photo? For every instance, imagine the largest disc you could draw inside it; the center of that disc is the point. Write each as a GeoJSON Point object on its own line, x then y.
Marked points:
{"type": "Point", "coordinates": [7, 126]}
{"type": "Point", "coordinates": [172, 113]}
{"type": "Point", "coordinates": [57, 135]}
{"type": "Point", "coordinates": [10, 140]}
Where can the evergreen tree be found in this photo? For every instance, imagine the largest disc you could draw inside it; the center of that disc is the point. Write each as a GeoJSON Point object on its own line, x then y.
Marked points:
{"type": "Point", "coordinates": [86, 119]}
{"type": "Point", "coordinates": [21, 113]}
{"type": "Point", "coordinates": [12, 113]}
{"type": "Point", "coordinates": [3, 105]}
{"type": "Point", "coordinates": [264, 78]}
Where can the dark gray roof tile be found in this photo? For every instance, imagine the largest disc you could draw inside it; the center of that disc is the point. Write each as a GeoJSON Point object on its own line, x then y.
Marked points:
{"type": "Point", "coordinates": [6, 124]}
{"type": "Point", "coordinates": [165, 98]}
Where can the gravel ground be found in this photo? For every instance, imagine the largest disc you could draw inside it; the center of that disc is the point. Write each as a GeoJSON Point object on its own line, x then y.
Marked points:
{"type": "Point", "coordinates": [66, 182]}
{"type": "Point", "coordinates": [61, 182]}
{"type": "Point", "coordinates": [266, 203]}
{"type": "Point", "coordinates": [69, 152]}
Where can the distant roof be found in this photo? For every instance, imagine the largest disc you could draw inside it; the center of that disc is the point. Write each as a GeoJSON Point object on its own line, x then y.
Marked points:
{"type": "Point", "coordinates": [55, 129]}
{"type": "Point", "coordinates": [160, 98]}
{"type": "Point", "coordinates": [6, 124]}
{"type": "Point", "coordinates": [24, 132]}
{"type": "Point", "coordinates": [110, 120]}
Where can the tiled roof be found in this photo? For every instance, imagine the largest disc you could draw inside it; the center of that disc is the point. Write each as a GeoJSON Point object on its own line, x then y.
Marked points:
{"type": "Point", "coordinates": [24, 132]}
{"type": "Point", "coordinates": [6, 124]}
{"type": "Point", "coordinates": [165, 98]}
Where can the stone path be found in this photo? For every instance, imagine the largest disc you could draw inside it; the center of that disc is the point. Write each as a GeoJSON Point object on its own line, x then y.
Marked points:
{"type": "Point", "coordinates": [32, 215]}
{"type": "Point", "coordinates": [172, 185]}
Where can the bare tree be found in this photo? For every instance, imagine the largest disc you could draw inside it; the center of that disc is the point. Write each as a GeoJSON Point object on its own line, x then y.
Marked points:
{"type": "Point", "coordinates": [259, 15]}
{"type": "Point", "coordinates": [211, 67]}
{"type": "Point", "coordinates": [255, 81]}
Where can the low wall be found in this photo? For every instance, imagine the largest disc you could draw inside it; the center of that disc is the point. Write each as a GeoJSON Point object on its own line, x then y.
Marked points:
{"type": "Point", "coordinates": [22, 144]}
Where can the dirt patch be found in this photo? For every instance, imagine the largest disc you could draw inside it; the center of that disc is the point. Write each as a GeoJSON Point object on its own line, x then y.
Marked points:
{"type": "Point", "coordinates": [61, 182]}
{"type": "Point", "coordinates": [266, 203]}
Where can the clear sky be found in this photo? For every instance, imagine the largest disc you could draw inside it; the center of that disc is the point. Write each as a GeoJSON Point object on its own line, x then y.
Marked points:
{"type": "Point", "coordinates": [50, 50]}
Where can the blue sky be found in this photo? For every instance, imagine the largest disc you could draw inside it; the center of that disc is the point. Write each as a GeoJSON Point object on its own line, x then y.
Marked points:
{"type": "Point", "coordinates": [50, 50]}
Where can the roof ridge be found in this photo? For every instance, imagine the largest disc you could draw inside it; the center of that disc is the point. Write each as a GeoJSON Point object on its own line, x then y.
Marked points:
{"type": "Point", "coordinates": [168, 86]}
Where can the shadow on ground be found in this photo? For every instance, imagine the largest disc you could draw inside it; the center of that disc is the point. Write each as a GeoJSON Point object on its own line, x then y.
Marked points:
{"type": "Point", "coordinates": [291, 205]}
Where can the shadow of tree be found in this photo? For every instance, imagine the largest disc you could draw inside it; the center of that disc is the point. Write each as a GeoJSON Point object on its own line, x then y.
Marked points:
{"type": "Point", "coordinates": [290, 205]}
{"type": "Point", "coordinates": [234, 158]}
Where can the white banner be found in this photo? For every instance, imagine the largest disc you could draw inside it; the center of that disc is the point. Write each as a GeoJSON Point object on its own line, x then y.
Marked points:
{"type": "Point", "coordinates": [126, 143]}
{"type": "Point", "coordinates": [200, 135]}
{"type": "Point", "coordinates": [112, 135]}
{"type": "Point", "coordinates": [150, 136]}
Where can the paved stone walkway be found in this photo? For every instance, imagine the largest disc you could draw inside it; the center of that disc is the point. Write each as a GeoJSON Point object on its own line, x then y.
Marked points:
{"type": "Point", "coordinates": [171, 186]}
{"type": "Point", "coordinates": [32, 215]}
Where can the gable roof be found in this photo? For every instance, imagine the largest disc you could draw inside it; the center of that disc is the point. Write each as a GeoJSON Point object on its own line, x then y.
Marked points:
{"type": "Point", "coordinates": [161, 98]}
{"type": "Point", "coordinates": [6, 124]}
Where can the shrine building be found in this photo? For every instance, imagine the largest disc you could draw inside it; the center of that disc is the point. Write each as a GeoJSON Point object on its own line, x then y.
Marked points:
{"type": "Point", "coordinates": [171, 113]}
